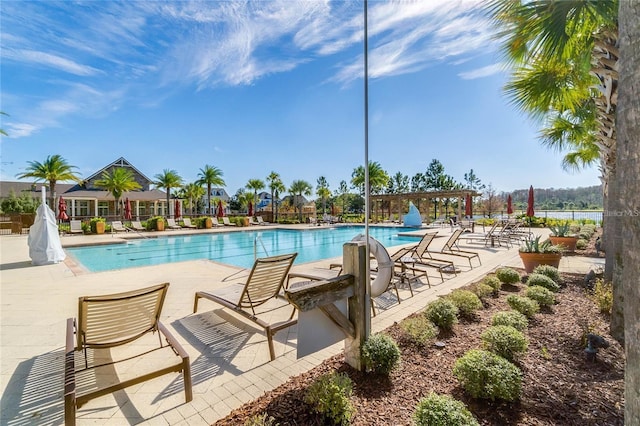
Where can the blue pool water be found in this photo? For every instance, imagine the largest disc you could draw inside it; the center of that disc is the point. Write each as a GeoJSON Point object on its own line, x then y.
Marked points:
{"type": "Point", "coordinates": [234, 248]}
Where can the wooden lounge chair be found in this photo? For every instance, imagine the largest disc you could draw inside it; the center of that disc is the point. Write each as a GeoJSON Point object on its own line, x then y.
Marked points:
{"type": "Point", "coordinates": [171, 224]}
{"type": "Point", "coordinates": [451, 248]}
{"type": "Point", "coordinates": [261, 221]}
{"type": "Point", "coordinates": [187, 223]}
{"type": "Point", "coordinates": [215, 222]}
{"type": "Point", "coordinates": [113, 320]}
{"type": "Point", "coordinates": [227, 222]}
{"type": "Point", "coordinates": [137, 226]}
{"type": "Point", "coordinates": [263, 285]}
{"type": "Point", "coordinates": [75, 227]}
{"type": "Point", "coordinates": [252, 221]}
{"type": "Point", "coordinates": [117, 226]}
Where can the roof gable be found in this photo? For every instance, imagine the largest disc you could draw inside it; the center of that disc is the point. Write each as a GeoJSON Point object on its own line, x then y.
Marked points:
{"type": "Point", "coordinates": [121, 162]}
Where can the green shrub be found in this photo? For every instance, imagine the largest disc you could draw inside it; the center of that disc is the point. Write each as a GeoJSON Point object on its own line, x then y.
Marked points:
{"type": "Point", "coordinates": [524, 305]}
{"type": "Point", "coordinates": [419, 329]}
{"type": "Point", "coordinates": [495, 283]}
{"type": "Point", "coordinates": [329, 395]}
{"type": "Point", "coordinates": [581, 244]}
{"type": "Point", "coordinates": [542, 281]}
{"type": "Point", "coordinates": [466, 301]}
{"type": "Point", "coordinates": [505, 341]}
{"type": "Point", "coordinates": [602, 295]}
{"type": "Point", "coordinates": [443, 313]}
{"type": "Point", "coordinates": [484, 374]}
{"type": "Point", "coordinates": [261, 420]}
{"type": "Point", "coordinates": [511, 318]}
{"type": "Point", "coordinates": [442, 410]}
{"type": "Point", "coordinates": [380, 354]}
{"type": "Point", "coordinates": [508, 275]}
{"type": "Point", "coordinates": [548, 271]}
{"type": "Point", "coordinates": [483, 290]}
{"type": "Point", "coordinates": [543, 296]}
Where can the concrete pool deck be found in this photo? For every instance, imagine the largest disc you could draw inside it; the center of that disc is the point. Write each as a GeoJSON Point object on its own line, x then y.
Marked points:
{"type": "Point", "coordinates": [229, 357]}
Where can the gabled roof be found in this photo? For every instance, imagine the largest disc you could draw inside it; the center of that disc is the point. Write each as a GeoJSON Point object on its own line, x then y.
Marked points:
{"type": "Point", "coordinates": [120, 162]}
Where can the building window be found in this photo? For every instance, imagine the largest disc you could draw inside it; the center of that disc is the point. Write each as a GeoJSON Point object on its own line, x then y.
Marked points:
{"type": "Point", "coordinates": [82, 208]}
{"type": "Point", "coordinates": [103, 208]}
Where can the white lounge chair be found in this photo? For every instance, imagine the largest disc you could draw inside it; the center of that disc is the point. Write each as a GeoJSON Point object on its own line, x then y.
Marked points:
{"type": "Point", "coordinates": [137, 226]}
{"type": "Point", "coordinates": [261, 221]}
{"type": "Point", "coordinates": [227, 222]}
{"type": "Point", "coordinates": [171, 224]}
{"type": "Point", "coordinates": [75, 227]}
{"type": "Point", "coordinates": [117, 226]}
{"type": "Point", "coordinates": [188, 224]}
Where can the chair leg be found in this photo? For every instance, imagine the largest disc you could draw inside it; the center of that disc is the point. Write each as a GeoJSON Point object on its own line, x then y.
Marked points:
{"type": "Point", "coordinates": [272, 352]}
{"type": "Point", "coordinates": [195, 303]}
{"type": "Point", "coordinates": [186, 377]}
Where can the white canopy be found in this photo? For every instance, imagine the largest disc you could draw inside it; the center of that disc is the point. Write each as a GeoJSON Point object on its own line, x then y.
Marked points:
{"type": "Point", "coordinates": [44, 241]}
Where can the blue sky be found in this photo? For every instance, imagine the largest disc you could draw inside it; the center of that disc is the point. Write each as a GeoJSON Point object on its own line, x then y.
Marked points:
{"type": "Point", "coordinates": [255, 87]}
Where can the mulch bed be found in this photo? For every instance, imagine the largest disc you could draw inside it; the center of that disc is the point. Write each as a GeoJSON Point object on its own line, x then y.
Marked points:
{"type": "Point", "coordinates": [559, 385]}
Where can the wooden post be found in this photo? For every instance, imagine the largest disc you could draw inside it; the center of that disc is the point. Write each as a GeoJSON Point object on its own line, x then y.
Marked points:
{"type": "Point", "coordinates": [354, 263]}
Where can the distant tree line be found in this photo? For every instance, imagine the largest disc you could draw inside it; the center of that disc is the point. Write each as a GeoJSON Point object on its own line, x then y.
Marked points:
{"type": "Point", "coordinates": [584, 198]}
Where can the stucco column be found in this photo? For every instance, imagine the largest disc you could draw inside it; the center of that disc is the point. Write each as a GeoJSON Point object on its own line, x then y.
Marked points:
{"type": "Point", "coordinates": [95, 208]}
{"type": "Point", "coordinates": [73, 208]}
{"type": "Point", "coordinates": [137, 209]}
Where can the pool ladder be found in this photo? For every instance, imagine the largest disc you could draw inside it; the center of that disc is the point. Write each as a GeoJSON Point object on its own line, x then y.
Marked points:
{"type": "Point", "coordinates": [255, 247]}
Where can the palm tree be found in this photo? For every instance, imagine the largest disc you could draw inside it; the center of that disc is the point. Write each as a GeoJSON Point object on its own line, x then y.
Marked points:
{"type": "Point", "coordinates": [276, 186]}
{"type": "Point", "coordinates": [168, 179]}
{"type": "Point", "coordinates": [118, 181]}
{"type": "Point", "coordinates": [628, 164]}
{"type": "Point", "coordinates": [256, 185]}
{"type": "Point", "coordinates": [378, 178]}
{"type": "Point", "coordinates": [53, 169]}
{"type": "Point", "coordinates": [297, 189]}
{"type": "Point", "coordinates": [565, 60]}
{"type": "Point", "coordinates": [193, 192]}
{"type": "Point", "coordinates": [210, 176]}
{"type": "Point", "coordinates": [322, 190]}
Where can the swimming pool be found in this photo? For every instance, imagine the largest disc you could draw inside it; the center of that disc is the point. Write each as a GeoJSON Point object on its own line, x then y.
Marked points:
{"type": "Point", "coordinates": [234, 248]}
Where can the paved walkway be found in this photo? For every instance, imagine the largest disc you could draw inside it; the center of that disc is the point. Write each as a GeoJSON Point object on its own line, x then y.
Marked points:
{"type": "Point", "coordinates": [229, 357]}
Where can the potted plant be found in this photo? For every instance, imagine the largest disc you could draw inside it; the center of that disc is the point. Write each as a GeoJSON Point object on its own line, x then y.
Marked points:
{"type": "Point", "coordinates": [156, 222]}
{"type": "Point", "coordinates": [561, 235]}
{"type": "Point", "coordinates": [534, 253]}
{"type": "Point", "coordinates": [98, 225]}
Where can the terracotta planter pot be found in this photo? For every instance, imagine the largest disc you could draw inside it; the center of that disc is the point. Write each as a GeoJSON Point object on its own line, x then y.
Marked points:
{"type": "Point", "coordinates": [100, 227]}
{"type": "Point", "coordinates": [569, 243]}
{"type": "Point", "coordinates": [208, 223]}
{"type": "Point", "coordinates": [531, 260]}
{"type": "Point", "coordinates": [160, 225]}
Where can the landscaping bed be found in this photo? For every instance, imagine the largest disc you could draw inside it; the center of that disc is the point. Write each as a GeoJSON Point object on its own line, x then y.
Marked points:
{"type": "Point", "coordinates": [559, 385]}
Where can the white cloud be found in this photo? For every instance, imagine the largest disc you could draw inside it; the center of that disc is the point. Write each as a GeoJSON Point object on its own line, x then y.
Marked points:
{"type": "Point", "coordinates": [51, 61]}
{"type": "Point", "coordinates": [482, 72]}
{"type": "Point", "coordinates": [19, 130]}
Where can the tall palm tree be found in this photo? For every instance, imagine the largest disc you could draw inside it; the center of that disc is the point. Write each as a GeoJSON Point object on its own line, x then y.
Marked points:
{"type": "Point", "coordinates": [343, 192]}
{"type": "Point", "coordinates": [193, 192]}
{"type": "Point", "coordinates": [628, 166]}
{"type": "Point", "coordinates": [210, 175]}
{"type": "Point", "coordinates": [297, 189]}
{"type": "Point", "coordinates": [276, 186]}
{"type": "Point", "coordinates": [322, 190]}
{"type": "Point", "coordinates": [565, 59]}
{"type": "Point", "coordinates": [256, 185]}
{"type": "Point", "coordinates": [53, 169]}
{"type": "Point", "coordinates": [378, 179]}
{"type": "Point", "coordinates": [118, 181]}
{"type": "Point", "coordinates": [168, 179]}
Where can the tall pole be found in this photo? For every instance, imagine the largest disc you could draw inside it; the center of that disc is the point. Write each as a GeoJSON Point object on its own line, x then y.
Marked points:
{"type": "Point", "coordinates": [367, 188]}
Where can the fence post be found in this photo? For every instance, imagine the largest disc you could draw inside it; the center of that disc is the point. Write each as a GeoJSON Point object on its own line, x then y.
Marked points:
{"type": "Point", "coordinates": [354, 263]}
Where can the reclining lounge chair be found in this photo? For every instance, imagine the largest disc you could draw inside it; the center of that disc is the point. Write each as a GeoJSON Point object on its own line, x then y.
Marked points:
{"type": "Point", "coordinates": [113, 320]}
{"type": "Point", "coordinates": [263, 285]}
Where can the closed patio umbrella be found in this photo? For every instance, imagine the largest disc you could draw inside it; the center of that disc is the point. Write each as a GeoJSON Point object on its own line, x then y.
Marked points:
{"type": "Point", "coordinates": [127, 209]}
{"type": "Point", "coordinates": [468, 208]}
{"type": "Point", "coordinates": [530, 212]}
{"type": "Point", "coordinates": [220, 210]}
{"type": "Point", "coordinates": [62, 210]}
{"type": "Point", "coordinates": [176, 213]}
{"type": "Point", "coordinates": [509, 205]}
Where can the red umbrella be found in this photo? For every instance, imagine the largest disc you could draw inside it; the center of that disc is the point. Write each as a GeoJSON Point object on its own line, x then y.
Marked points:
{"type": "Point", "coordinates": [127, 209]}
{"type": "Point", "coordinates": [530, 211]}
{"type": "Point", "coordinates": [62, 210]}
{"type": "Point", "coordinates": [220, 210]}
{"type": "Point", "coordinates": [333, 210]}
{"type": "Point", "coordinates": [468, 207]}
{"type": "Point", "coordinates": [176, 213]}
{"type": "Point", "coordinates": [250, 212]}
{"type": "Point", "coordinates": [509, 205]}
